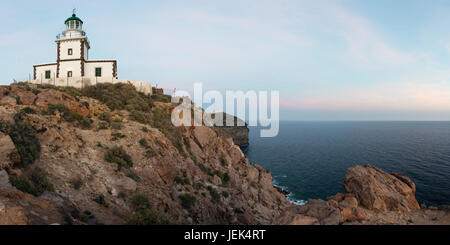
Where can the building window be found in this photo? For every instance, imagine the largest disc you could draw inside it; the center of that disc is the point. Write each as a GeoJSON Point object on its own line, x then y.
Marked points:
{"type": "Point", "coordinates": [98, 72]}
{"type": "Point", "coordinates": [69, 74]}
{"type": "Point", "coordinates": [47, 74]}
{"type": "Point", "coordinates": [70, 51]}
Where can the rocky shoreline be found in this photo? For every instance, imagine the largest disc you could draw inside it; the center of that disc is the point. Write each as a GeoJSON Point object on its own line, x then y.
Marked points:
{"type": "Point", "coordinates": [373, 197]}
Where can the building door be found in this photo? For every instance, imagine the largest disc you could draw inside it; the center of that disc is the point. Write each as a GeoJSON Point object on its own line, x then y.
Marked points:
{"type": "Point", "coordinates": [69, 74]}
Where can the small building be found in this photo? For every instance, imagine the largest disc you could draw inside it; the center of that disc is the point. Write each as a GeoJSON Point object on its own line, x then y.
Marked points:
{"type": "Point", "coordinates": [73, 66]}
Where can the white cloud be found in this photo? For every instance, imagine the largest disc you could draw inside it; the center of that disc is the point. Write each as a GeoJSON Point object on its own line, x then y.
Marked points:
{"type": "Point", "coordinates": [366, 45]}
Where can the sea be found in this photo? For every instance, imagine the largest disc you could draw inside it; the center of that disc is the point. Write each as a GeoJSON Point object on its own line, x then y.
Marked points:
{"type": "Point", "coordinates": [309, 159]}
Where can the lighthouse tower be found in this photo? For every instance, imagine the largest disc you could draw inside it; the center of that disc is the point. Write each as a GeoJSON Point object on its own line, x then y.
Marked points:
{"type": "Point", "coordinates": [72, 59]}
{"type": "Point", "coordinates": [73, 49]}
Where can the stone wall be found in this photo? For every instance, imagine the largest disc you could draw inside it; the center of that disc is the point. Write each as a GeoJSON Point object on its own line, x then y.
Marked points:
{"type": "Point", "coordinates": [80, 82]}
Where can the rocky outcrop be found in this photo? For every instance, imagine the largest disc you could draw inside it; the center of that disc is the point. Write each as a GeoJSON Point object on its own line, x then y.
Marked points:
{"type": "Point", "coordinates": [9, 154]}
{"type": "Point", "coordinates": [380, 191]}
{"type": "Point", "coordinates": [374, 197]}
{"type": "Point", "coordinates": [238, 133]}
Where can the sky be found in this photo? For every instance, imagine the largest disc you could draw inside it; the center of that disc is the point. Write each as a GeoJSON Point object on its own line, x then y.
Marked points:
{"type": "Point", "coordinates": [330, 60]}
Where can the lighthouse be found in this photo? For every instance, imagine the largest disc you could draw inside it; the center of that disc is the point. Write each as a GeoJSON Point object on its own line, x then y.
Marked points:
{"type": "Point", "coordinates": [73, 68]}
{"type": "Point", "coordinates": [72, 59]}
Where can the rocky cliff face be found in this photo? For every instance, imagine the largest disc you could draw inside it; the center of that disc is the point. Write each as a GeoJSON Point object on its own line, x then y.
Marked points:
{"type": "Point", "coordinates": [80, 162]}
{"type": "Point", "coordinates": [373, 197]}
{"type": "Point", "coordinates": [239, 134]}
{"type": "Point", "coordinates": [110, 155]}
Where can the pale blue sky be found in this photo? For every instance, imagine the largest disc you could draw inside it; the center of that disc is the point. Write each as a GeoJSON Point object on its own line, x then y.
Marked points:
{"type": "Point", "coordinates": [330, 60]}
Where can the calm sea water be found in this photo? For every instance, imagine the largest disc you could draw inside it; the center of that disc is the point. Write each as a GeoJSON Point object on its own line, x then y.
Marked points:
{"type": "Point", "coordinates": [309, 159]}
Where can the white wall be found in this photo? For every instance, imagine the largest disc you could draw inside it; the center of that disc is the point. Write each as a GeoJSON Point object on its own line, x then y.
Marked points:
{"type": "Point", "coordinates": [74, 66]}
{"type": "Point", "coordinates": [75, 45]}
{"type": "Point", "coordinates": [107, 69]}
{"type": "Point", "coordinates": [79, 82]}
{"type": "Point", "coordinates": [40, 70]}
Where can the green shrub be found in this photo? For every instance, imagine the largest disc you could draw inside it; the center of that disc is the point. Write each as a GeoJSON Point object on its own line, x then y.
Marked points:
{"type": "Point", "coordinates": [187, 200]}
{"type": "Point", "coordinates": [119, 96]}
{"type": "Point", "coordinates": [120, 156]}
{"type": "Point", "coordinates": [143, 143]}
{"type": "Point", "coordinates": [28, 110]}
{"type": "Point", "coordinates": [77, 184]}
{"type": "Point", "coordinates": [140, 116]}
{"type": "Point", "coordinates": [35, 184]}
{"type": "Point", "coordinates": [105, 116]}
{"type": "Point", "coordinates": [85, 104]}
{"type": "Point", "coordinates": [100, 199]}
{"type": "Point", "coordinates": [225, 194]}
{"type": "Point", "coordinates": [24, 138]}
{"type": "Point", "coordinates": [102, 125]}
{"type": "Point", "coordinates": [162, 98]}
{"type": "Point", "coordinates": [224, 162]}
{"type": "Point", "coordinates": [117, 136]}
{"type": "Point", "coordinates": [25, 185]}
{"type": "Point", "coordinates": [17, 98]}
{"type": "Point", "coordinates": [39, 178]}
{"type": "Point", "coordinates": [198, 185]}
{"type": "Point", "coordinates": [215, 197]}
{"type": "Point", "coordinates": [83, 121]}
{"type": "Point", "coordinates": [148, 216]}
{"type": "Point", "coordinates": [133, 176]}
{"type": "Point", "coordinates": [52, 108]}
{"type": "Point", "coordinates": [150, 152]}
{"type": "Point", "coordinates": [182, 181]}
{"type": "Point", "coordinates": [140, 201]}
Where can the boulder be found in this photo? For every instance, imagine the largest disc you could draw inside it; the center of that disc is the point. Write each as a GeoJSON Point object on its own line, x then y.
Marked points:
{"type": "Point", "coordinates": [349, 202]}
{"type": "Point", "coordinates": [4, 180]}
{"type": "Point", "coordinates": [322, 210]}
{"type": "Point", "coordinates": [380, 191]}
{"type": "Point", "coordinates": [125, 185]}
{"type": "Point", "coordinates": [8, 100]}
{"type": "Point", "coordinates": [8, 151]}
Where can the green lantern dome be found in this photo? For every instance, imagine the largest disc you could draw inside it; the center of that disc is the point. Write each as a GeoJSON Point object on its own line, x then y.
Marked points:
{"type": "Point", "coordinates": [73, 17]}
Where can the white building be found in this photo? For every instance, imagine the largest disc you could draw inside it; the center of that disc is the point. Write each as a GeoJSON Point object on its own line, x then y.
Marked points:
{"type": "Point", "coordinates": [73, 66]}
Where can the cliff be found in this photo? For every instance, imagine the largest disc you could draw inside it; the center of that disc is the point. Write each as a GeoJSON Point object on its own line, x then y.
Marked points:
{"type": "Point", "coordinates": [109, 155]}
{"type": "Point", "coordinates": [239, 134]}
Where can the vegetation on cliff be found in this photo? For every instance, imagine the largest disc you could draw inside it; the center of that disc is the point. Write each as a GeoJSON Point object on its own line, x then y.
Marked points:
{"type": "Point", "coordinates": [71, 136]}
